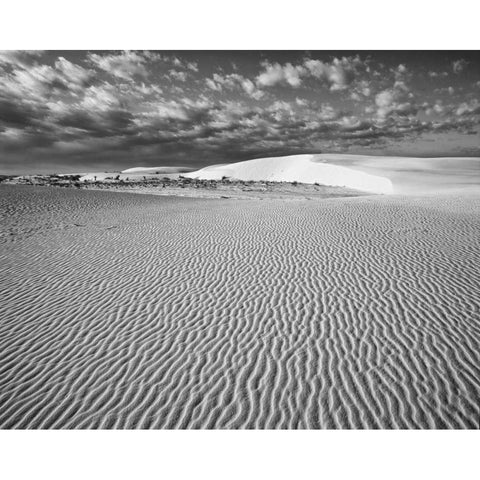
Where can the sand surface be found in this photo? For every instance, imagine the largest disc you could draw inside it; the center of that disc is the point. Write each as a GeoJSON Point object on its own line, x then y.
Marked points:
{"type": "Point", "coordinates": [139, 311]}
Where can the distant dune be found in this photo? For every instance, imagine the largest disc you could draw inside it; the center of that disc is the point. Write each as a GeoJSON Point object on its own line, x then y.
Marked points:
{"type": "Point", "coordinates": [137, 172]}
{"type": "Point", "coordinates": [417, 176]}
{"type": "Point", "coordinates": [158, 170]}
{"type": "Point", "coordinates": [296, 168]}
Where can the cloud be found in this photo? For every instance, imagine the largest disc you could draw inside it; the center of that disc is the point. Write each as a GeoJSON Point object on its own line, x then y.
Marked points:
{"type": "Point", "coordinates": [433, 74]}
{"type": "Point", "coordinates": [468, 108]}
{"type": "Point", "coordinates": [182, 65]}
{"type": "Point", "coordinates": [280, 109]}
{"type": "Point", "coordinates": [213, 85]}
{"type": "Point", "coordinates": [73, 74]}
{"type": "Point", "coordinates": [234, 81]}
{"type": "Point", "coordinates": [459, 65]}
{"type": "Point", "coordinates": [100, 123]}
{"type": "Point", "coordinates": [19, 114]}
{"type": "Point", "coordinates": [438, 107]}
{"type": "Point", "coordinates": [177, 75]}
{"type": "Point", "coordinates": [42, 81]}
{"type": "Point", "coordinates": [395, 101]}
{"type": "Point", "coordinates": [101, 97]}
{"type": "Point", "coordinates": [250, 89]}
{"type": "Point", "coordinates": [338, 74]}
{"type": "Point", "coordinates": [327, 112]}
{"type": "Point", "coordinates": [19, 58]}
{"type": "Point", "coordinates": [276, 74]}
{"type": "Point", "coordinates": [125, 65]}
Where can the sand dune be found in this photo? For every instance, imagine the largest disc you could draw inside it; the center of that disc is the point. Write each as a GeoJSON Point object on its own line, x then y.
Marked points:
{"type": "Point", "coordinates": [134, 311]}
{"type": "Point", "coordinates": [375, 174]}
{"type": "Point", "coordinates": [416, 176]}
{"type": "Point", "coordinates": [136, 173]}
{"type": "Point", "coordinates": [159, 170]}
{"type": "Point", "coordinates": [299, 168]}
{"type": "Point", "coordinates": [371, 174]}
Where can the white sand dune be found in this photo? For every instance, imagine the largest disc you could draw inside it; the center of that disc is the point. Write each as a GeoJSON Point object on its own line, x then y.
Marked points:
{"type": "Point", "coordinates": [376, 174]}
{"type": "Point", "coordinates": [135, 311]}
{"type": "Point", "coordinates": [373, 174]}
{"type": "Point", "coordinates": [136, 173]}
{"type": "Point", "coordinates": [296, 168]}
{"type": "Point", "coordinates": [159, 170]}
{"type": "Point", "coordinates": [417, 176]}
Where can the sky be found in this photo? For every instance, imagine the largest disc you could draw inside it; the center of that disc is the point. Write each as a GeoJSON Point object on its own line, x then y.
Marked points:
{"type": "Point", "coordinates": [77, 111]}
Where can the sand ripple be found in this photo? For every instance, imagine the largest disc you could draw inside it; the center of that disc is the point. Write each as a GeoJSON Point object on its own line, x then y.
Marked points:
{"type": "Point", "coordinates": [130, 311]}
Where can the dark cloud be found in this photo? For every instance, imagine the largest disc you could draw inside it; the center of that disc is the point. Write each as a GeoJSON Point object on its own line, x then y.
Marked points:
{"type": "Point", "coordinates": [102, 124]}
{"type": "Point", "coordinates": [18, 114]}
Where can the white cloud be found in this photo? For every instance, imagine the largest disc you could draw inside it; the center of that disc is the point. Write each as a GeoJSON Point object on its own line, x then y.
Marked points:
{"type": "Point", "coordinates": [433, 74]}
{"type": "Point", "coordinates": [213, 85]}
{"type": "Point", "coordinates": [276, 74]}
{"type": "Point", "coordinates": [40, 81]}
{"type": "Point", "coordinates": [250, 88]}
{"type": "Point", "coordinates": [393, 101]}
{"type": "Point", "coordinates": [102, 97]}
{"type": "Point", "coordinates": [338, 74]}
{"type": "Point", "coordinates": [439, 107]}
{"type": "Point", "coordinates": [179, 76]}
{"type": "Point", "coordinates": [19, 58]}
{"type": "Point", "coordinates": [233, 81]}
{"type": "Point", "coordinates": [125, 65]}
{"type": "Point", "coordinates": [466, 108]}
{"type": "Point", "coordinates": [73, 73]}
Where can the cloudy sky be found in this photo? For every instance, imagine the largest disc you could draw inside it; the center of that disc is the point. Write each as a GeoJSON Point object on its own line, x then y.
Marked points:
{"type": "Point", "coordinates": [74, 111]}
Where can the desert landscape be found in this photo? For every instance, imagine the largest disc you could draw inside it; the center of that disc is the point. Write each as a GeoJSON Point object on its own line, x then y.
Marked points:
{"type": "Point", "coordinates": [298, 292]}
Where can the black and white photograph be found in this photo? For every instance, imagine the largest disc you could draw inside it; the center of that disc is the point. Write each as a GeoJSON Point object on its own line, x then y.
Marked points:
{"type": "Point", "coordinates": [239, 239]}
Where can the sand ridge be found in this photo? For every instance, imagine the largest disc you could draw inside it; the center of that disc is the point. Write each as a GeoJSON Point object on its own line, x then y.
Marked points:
{"type": "Point", "coordinates": [296, 168]}
{"type": "Point", "coordinates": [345, 313]}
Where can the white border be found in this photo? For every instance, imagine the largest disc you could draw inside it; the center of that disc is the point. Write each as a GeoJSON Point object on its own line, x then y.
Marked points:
{"type": "Point", "coordinates": [249, 24]}
{"type": "Point", "coordinates": [242, 455]}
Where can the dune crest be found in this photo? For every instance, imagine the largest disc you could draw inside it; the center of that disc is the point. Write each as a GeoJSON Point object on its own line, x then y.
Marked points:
{"type": "Point", "coordinates": [296, 168]}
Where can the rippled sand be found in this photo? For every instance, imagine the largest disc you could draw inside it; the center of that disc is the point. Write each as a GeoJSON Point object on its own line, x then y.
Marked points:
{"type": "Point", "coordinates": [135, 311]}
